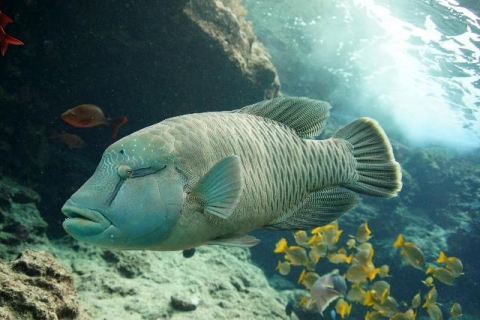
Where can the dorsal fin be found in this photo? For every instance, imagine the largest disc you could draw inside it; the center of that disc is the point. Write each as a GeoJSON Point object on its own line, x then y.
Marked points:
{"type": "Point", "coordinates": [305, 116]}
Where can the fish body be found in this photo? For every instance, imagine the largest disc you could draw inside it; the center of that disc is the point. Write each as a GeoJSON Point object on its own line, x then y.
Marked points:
{"type": "Point", "coordinates": [363, 233]}
{"type": "Point", "coordinates": [452, 263]}
{"type": "Point", "coordinates": [343, 308]}
{"type": "Point", "coordinates": [89, 115]}
{"type": "Point", "coordinates": [416, 301]}
{"type": "Point", "coordinates": [412, 254]}
{"type": "Point", "coordinates": [443, 275]}
{"type": "Point", "coordinates": [71, 140]}
{"type": "Point", "coordinates": [456, 311]}
{"type": "Point", "coordinates": [210, 178]}
{"type": "Point", "coordinates": [407, 315]}
{"type": "Point", "coordinates": [283, 267]}
{"type": "Point", "coordinates": [6, 39]}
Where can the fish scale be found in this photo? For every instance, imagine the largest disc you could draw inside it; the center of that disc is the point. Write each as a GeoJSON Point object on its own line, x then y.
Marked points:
{"type": "Point", "coordinates": [276, 155]}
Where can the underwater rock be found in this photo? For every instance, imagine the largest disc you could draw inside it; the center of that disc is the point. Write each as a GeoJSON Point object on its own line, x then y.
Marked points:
{"type": "Point", "coordinates": [223, 280]}
{"type": "Point", "coordinates": [35, 286]}
{"type": "Point", "coordinates": [226, 25]}
{"type": "Point", "coordinates": [125, 263]}
{"type": "Point", "coordinates": [20, 220]}
{"type": "Point", "coordinates": [183, 304]}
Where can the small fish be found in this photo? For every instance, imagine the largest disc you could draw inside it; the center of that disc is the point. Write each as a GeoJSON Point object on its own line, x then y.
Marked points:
{"type": "Point", "coordinates": [407, 315]}
{"type": "Point", "coordinates": [356, 273]}
{"type": "Point", "coordinates": [340, 257]}
{"type": "Point", "coordinates": [283, 267]}
{"type": "Point", "coordinates": [356, 294]}
{"type": "Point", "coordinates": [71, 140]}
{"type": "Point", "coordinates": [380, 290]}
{"type": "Point", "coordinates": [364, 254]}
{"type": "Point", "coordinates": [89, 115]}
{"type": "Point", "coordinates": [453, 264]}
{"type": "Point", "coordinates": [308, 279]}
{"type": "Point", "coordinates": [442, 274]}
{"type": "Point", "coordinates": [343, 308]}
{"type": "Point", "coordinates": [383, 271]}
{"type": "Point", "coordinates": [428, 282]}
{"type": "Point", "coordinates": [301, 238]}
{"type": "Point", "coordinates": [410, 252]}
{"type": "Point", "coordinates": [216, 176]}
{"type": "Point", "coordinates": [434, 312]}
{"type": "Point", "coordinates": [363, 233]}
{"type": "Point", "coordinates": [188, 253]}
{"type": "Point", "coordinates": [416, 301]}
{"type": "Point", "coordinates": [456, 311]}
{"type": "Point", "coordinates": [331, 234]}
{"type": "Point", "coordinates": [351, 243]}
{"type": "Point", "coordinates": [327, 289]}
{"type": "Point", "coordinates": [295, 255]}
{"type": "Point", "coordinates": [373, 315]}
{"type": "Point", "coordinates": [6, 39]}
{"type": "Point", "coordinates": [430, 297]}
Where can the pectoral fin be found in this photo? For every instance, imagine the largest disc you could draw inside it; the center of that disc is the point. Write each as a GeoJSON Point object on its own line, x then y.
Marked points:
{"type": "Point", "coordinates": [220, 190]}
{"type": "Point", "coordinates": [324, 297]}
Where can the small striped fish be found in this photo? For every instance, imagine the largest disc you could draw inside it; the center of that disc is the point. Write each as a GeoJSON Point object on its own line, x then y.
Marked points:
{"type": "Point", "coordinates": [210, 178]}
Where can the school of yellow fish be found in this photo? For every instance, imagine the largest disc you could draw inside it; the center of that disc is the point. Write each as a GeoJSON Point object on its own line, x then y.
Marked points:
{"type": "Point", "coordinates": [367, 283]}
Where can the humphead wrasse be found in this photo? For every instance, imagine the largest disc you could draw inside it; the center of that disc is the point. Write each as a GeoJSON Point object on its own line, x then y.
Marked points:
{"type": "Point", "coordinates": [210, 178]}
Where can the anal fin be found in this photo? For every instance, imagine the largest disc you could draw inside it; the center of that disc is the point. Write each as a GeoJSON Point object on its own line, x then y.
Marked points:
{"type": "Point", "coordinates": [319, 208]}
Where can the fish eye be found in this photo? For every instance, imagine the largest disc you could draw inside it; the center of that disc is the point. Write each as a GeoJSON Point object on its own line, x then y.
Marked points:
{"type": "Point", "coordinates": [124, 171]}
{"type": "Point", "coordinates": [121, 151]}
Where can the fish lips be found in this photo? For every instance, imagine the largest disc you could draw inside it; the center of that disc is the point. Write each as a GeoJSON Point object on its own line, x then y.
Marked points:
{"type": "Point", "coordinates": [83, 222]}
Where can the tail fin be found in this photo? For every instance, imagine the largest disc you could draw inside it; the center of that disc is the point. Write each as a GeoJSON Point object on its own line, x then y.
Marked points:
{"type": "Point", "coordinates": [378, 172]}
{"type": "Point", "coordinates": [442, 258]}
{"type": "Point", "coordinates": [116, 124]}
{"type": "Point", "coordinates": [9, 40]}
{"type": "Point", "coordinates": [399, 242]}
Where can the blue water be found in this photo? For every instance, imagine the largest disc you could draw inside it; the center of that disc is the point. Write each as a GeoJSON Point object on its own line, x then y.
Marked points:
{"type": "Point", "coordinates": [412, 64]}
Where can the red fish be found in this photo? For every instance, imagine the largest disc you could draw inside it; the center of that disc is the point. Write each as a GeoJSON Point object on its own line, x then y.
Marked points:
{"type": "Point", "coordinates": [71, 140]}
{"type": "Point", "coordinates": [5, 39]}
{"type": "Point", "coordinates": [89, 115]}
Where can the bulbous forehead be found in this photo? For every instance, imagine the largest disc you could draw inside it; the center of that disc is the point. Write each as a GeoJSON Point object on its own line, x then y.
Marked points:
{"type": "Point", "coordinates": [141, 148]}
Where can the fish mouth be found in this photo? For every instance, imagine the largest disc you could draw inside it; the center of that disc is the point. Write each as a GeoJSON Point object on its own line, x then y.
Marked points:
{"type": "Point", "coordinates": [83, 222]}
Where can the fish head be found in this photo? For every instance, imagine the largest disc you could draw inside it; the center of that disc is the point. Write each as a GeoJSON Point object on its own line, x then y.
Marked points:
{"type": "Point", "coordinates": [69, 116]}
{"type": "Point", "coordinates": [132, 201]}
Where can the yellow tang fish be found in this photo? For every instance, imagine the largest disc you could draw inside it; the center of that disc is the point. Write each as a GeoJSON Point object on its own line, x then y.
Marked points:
{"type": "Point", "coordinates": [343, 308]}
{"type": "Point", "coordinates": [283, 268]}
{"type": "Point", "coordinates": [453, 264]}
{"type": "Point", "coordinates": [442, 274]}
{"type": "Point", "coordinates": [456, 311]}
{"type": "Point", "coordinates": [416, 301]}
{"type": "Point", "coordinates": [407, 315]}
{"type": "Point", "coordinates": [410, 252]}
{"type": "Point", "coordinates": [363, 233]}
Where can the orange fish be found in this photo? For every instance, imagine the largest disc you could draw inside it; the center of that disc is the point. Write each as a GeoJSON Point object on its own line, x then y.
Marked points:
{"type": "Point", "coordinates": [71, 140]}
{"type": "Point", "coordinates": [89, 115]}
{"type": "Point", "coordinates": [5, 39]}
